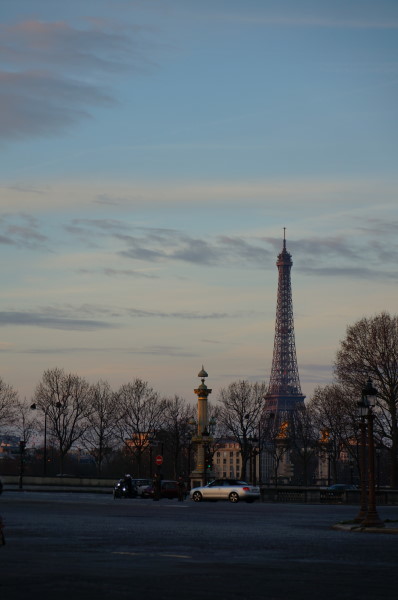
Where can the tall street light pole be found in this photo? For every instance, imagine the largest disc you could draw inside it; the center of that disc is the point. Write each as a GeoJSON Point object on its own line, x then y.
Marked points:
{"type": "Point", "coordinates": [362, 412]}
{"type": "Point", "coordinates": [372, 518]}
{"type": "Point", "coordinates": [34, 406]}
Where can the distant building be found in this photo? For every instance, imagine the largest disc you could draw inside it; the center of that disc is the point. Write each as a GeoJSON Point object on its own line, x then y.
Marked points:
{"type": "Point", "coordinates": [227, 460]}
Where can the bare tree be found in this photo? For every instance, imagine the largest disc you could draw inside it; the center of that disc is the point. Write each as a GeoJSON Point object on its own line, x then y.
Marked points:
{"type": "Point", "coordinates": [25, 423]}
{"type": "Point", "coordinates": [333, 410]}
{"type": "Point", "coordinates": [276, 438]}
{"type": "Point", "coordinates": [304, 442]}
{"type": "Point", "coordinates": [177, 415]}
{"type": "Point", "coordinates": [64, 400]}
{"type": "Point", "coordinates": [8, 403]}
{"type": "Point", "coordinates": [370, 349]}
{"type": "Point", "coordinates": [141, 416]}
{"type": "Point", "coordinates": [99, 439]}
{"type": "Point", "coordinates": [242, 405]}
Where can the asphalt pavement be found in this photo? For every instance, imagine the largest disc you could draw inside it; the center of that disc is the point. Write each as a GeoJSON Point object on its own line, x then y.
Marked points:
{"type": "Point", "coordinates": [83, 546]}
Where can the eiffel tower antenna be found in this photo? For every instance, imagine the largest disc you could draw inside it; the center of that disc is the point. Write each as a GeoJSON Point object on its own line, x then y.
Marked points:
{"type": "Point", "coordinates": [284, 390]}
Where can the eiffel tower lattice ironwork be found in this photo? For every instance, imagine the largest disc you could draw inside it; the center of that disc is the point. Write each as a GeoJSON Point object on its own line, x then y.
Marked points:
{"type": "Point", "coordinates": [284, 391]}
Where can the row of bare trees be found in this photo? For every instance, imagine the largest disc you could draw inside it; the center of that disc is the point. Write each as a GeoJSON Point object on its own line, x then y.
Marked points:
{"type": "Point", "coordinates": [94, 416]}
{"type": "Point", "coordinates": [101, 419]}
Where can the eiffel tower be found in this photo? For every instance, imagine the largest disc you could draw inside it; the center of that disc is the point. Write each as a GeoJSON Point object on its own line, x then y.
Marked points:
{"type": "Point", "coordinates": [284, 390]}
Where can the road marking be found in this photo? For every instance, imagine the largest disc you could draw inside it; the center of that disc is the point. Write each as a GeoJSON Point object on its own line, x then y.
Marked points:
{"type": "Point", "coordinates": [176, 555]}
{"type": "Point", "coordinates": [154, 554]}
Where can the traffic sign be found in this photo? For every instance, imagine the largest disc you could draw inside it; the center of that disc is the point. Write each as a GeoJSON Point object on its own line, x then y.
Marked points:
{"type": "Point", "coordinates": [159, 459]}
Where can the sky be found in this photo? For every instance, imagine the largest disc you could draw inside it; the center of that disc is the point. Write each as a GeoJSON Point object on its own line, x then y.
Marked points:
{"type": "Point", "coordinates": [152, 151]}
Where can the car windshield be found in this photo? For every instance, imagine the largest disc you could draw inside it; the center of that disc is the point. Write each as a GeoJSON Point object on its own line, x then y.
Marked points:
{"type": "Point", "coordinates": [226, 482]}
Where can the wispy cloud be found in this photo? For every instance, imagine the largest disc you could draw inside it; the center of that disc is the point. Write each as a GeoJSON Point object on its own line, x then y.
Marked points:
{"type": "Point", "coordinates": [38, 103]}
{"type": "Point", "coordinates": [134, 312]}
{"type": "Point", "coordinates": [54, 73]}
{"type": "Point", "coordinates": [266, 193]}
{"type": "Point", "coordinates": [47, 321]}
{"type": "Point", "coordinates": [109, 272]}
{"type": "Point", "coordinates": [140, 350]}
{"type": "Point", "coordinates": [91, 317]}
{"type": "Point", "coordinates": [351, 273]}
{"type": "Point", "coordinates": [351, 252]}
{"type": "Point", "coordinates": [22, 231]}
{"type": "Point", "coordinates": [310, 21]}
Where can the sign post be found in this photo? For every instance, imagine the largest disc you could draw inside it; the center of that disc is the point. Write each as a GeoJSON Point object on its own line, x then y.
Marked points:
{"type": "Point", "coordinates": [158, 477]}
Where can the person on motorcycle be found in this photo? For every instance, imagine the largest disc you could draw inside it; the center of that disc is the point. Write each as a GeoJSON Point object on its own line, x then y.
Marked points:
{"type": "Point", "coordinates": [129, 485]}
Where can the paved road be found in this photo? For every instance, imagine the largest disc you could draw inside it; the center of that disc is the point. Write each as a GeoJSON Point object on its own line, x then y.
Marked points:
{"type": "Point", "coordinates": [75, 546]}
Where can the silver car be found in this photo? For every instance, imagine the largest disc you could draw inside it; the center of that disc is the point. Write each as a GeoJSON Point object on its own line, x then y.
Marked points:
{"type": "Point", "coordinates": [226, 489]}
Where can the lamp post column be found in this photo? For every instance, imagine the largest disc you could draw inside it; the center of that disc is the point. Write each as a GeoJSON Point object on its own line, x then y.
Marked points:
{"type": "Point", "coordinates": [202, 438]}
{"type": "Point", "coordinates": [369, 395]}
{"type": "Point", "coordinates": [372, 518]}
{"type": "Point", "coordinates": [362, 467]}
{"type": "Point", "coordinates": [45, 410]}
{"type": "Point", "coordinates": [45, 445]}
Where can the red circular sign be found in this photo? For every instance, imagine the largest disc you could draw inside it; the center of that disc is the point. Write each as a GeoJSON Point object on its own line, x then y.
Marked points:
{"type": "Point", "coordinates": [159, 459]}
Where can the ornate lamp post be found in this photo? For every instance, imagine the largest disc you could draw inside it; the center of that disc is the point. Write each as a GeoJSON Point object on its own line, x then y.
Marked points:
{"type": "Point", "coordinates": [362, 413]}
{"type": "Point", "coordinates": [202, 439]}
{"type": "Point", "coordinates": [369, 395]}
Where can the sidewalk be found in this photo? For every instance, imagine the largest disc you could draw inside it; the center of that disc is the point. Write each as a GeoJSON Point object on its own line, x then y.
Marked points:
{"type": "Point", "coordinates": [357, 527]}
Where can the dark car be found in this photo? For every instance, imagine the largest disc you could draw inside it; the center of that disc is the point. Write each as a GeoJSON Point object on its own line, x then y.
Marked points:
{"type": "Point", "coordinates": [341, 487]}
{"type": "Point", "coordinates": [168, 489]}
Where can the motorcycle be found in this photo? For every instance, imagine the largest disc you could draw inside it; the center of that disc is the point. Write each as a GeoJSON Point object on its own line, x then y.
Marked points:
{"type": "Point", "coordinates": [121, 490]}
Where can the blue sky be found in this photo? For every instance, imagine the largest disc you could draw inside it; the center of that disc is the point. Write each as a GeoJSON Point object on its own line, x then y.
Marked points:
{"type": "Point", "coordinates": [152, 152]}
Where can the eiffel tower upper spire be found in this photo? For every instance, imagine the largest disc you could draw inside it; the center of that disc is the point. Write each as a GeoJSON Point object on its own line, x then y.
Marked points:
{"type": "Point", "coordinates": [284, 391]}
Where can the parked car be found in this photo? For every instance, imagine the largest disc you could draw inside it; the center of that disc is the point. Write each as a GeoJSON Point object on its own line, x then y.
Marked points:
{"type": "Point", "coordinates": [168, 489]}
{"type": "Point", "coordinates": [341, 487]}
{"type": "Point", "coordinates": [141, 484]}
{"type": "Point", "coordinates": [226, 489]}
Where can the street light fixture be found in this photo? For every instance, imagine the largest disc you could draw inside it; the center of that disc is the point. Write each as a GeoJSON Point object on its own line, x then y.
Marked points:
{"type": "Point", "coordinates": [34, 406]}
{"type": "Point", "coordinates": [369, 395]}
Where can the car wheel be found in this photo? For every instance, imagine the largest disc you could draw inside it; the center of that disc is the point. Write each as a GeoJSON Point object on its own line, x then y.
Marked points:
{"type": "Point", "coordinates": [197, 497]}
{"type": "Point", "coordinates": [233, 497]}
